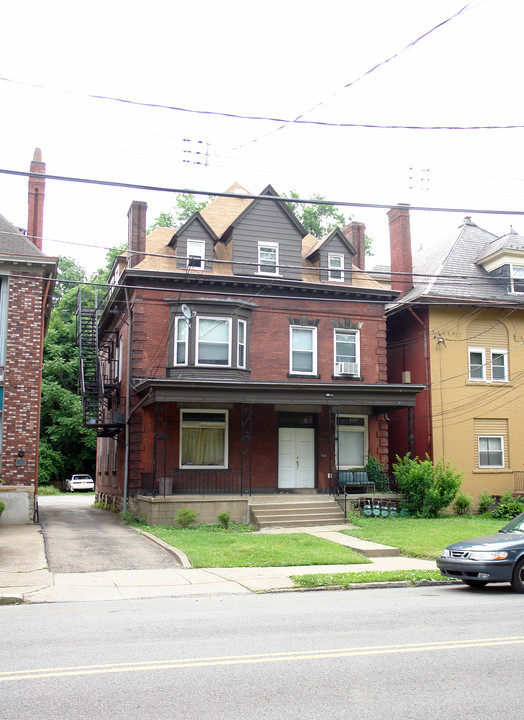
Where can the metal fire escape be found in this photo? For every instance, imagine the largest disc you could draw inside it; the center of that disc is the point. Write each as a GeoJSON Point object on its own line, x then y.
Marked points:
{"type": "Point", "coordinates": [99, 382]}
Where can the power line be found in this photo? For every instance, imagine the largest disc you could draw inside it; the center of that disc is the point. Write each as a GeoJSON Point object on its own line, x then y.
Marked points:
{"type": "Point", "coordinates": [267, 198]}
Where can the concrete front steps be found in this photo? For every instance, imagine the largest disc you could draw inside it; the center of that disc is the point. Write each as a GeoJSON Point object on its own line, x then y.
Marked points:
{"type": "Point", "coordinates": [289, 514]}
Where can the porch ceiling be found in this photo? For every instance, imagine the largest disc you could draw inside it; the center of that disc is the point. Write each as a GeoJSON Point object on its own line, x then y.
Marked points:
{"type": "Point", "coordinates": [291, 393]}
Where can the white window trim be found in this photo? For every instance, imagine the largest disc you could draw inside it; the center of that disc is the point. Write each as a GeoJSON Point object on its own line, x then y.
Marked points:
{"type": "Point", "coordinates": [504, 353]}
{"type": "Point", "coordinates": [491, 437]}
{"type": "Point", "coordinates": [482, 351]}
{"type": "Point", "coordinates": [180, 319]}
{"type": "Point", "coordinates": [336, 269]}
{"type": "Point", "coordinates": [201, 245]}
{"type": "Point", "coordinates": [243, 345]}
{"type": "Point", "coordinates": [356, 334]}
{"type": "Point", "coordinates": [271, 245]}
{"type": "Point", "coordinates": [353, 428]}
{"type": "Point", "coordinates": [513, 278]}
{"type": "Point", "coordinates": [197, 343]}
{"type": "Point", "coordinates": [313, 331]}
{"type": "Point", "coordinates": [226, 438]}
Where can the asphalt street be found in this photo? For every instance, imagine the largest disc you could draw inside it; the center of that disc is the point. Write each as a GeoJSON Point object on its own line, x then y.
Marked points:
{"type": "Point", "coordinates": [409, 653]}
{"type": "Point", "coordinates": [80, 538]}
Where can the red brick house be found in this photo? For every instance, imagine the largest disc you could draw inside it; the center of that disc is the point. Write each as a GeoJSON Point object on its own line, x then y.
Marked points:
{"type": "Point", "coordinates": [26, 292]}
{"type": "Point", "coordinates": [238, 356]}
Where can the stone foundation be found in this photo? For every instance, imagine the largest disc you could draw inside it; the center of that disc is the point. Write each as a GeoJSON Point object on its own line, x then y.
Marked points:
{"type": "Point", "coordinates": [162, 510]}
{"type": "Point", "coordinates": [19, 501]}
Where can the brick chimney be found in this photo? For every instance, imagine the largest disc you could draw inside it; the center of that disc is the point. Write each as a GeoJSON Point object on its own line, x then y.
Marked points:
{"type": "Point", "coordinates": [136, 238]}
{"type": "Point", "coordinates": [35, 215]}
{"type": "Point", "coordinates": [356, 234]}
{"type": "Point", "coordinates": [400, 245]}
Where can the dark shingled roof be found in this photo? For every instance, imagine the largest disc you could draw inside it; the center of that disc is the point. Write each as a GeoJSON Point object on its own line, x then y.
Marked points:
{"type": "Point", "coordinates": [449, 270]}
{"type": "Point", "coordinates": [14, 242]}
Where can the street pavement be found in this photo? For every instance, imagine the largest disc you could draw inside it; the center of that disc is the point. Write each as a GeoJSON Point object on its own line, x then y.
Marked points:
{"type": "Point", "coordinates": [129, 564]}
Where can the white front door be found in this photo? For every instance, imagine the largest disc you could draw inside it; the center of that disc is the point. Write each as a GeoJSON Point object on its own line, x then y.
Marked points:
{"type": "Point", "coordinates": [296, 458]}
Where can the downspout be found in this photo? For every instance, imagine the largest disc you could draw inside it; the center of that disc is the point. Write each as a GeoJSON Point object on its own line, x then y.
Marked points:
{"type": "Point", "coordinates": [128, 401]}
{"type": "Point", "coordinates": [426, 366]}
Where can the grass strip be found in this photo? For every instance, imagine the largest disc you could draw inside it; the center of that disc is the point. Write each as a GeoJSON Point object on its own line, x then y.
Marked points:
{"type": "Point", "coordinates": [420, 537]}
{"type": "Point", "coordinates": [345, 580]}
{"type": "Point", "coordinates": [208, 548]}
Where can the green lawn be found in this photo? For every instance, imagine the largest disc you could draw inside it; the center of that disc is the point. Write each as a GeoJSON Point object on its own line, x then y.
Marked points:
{"type": "Point", "coordinates": [207, 548]}
{"type": "Point", "coordinates": [345, 580]}
{"type": "Point", "coordinates": [418, 537]}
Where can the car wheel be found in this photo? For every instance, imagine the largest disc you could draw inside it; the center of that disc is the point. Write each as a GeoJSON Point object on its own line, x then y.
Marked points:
{"type": "Point", "coordinates": [517, 581]}
{"type": "Point", "coordinates": [475, 583]}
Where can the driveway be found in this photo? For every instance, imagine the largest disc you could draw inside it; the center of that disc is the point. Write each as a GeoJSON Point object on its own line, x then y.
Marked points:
{"type": "Point", "coordinates": [80, 538]}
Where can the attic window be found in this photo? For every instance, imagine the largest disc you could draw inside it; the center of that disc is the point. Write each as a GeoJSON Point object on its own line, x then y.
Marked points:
{"type": "Point", "coordinates": [336, 268]}
{"type": "Point", "coordinates": [517, 278]}
{"type": "Point", "coordinates": [268, 258]}
{"type": "Point", "coordinates": [196, 252]}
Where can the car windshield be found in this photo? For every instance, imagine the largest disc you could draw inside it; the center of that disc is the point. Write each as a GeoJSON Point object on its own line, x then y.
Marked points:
{"type": "Point", "coordinates": [516, 525]}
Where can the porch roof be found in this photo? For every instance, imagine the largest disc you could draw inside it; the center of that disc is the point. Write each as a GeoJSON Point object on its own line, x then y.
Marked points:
{"type": "Point", "coordinates": [268, 393]}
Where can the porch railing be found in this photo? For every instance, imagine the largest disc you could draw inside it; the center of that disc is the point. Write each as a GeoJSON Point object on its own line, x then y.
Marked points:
{"type": "Point", "coordinates": [518, 481]}
{"type": "Point", "coordinates": [195, 482]}
{"type": "Point", "coordinates": [348, 483]}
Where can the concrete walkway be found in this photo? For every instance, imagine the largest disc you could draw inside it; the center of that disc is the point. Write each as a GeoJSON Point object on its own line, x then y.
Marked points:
{"type": "Point", "coordinates": [24, 574]}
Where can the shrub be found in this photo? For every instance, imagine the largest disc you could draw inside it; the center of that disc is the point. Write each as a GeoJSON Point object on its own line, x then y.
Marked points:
{"type": "Point", "coordinates": [2, 507]}
{"type": "Point", "coordinates": [377, 474]}
{"type": "Point", "coordinates": [462, 503]}
{"type": "Point", "coordinates": [508, 507]}
{"type": "Point", "coordinates": [186, 517]}
{"type": "Point", "coordinates": [428, 488]}
{"type": "Point", "coordinates": [223, 519]}
{"type": "Point", "coordinates": [485, 501]}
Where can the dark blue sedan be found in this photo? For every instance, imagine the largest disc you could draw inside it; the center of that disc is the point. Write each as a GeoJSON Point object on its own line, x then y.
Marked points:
{"type": "Point", "coordinates": [490, 559]}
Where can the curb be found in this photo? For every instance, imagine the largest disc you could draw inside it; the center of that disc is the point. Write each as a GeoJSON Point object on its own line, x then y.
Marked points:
{"type": "Point", "coordinates": [366, 586]}
{"type": "Point", "coordinates": [181, 557]}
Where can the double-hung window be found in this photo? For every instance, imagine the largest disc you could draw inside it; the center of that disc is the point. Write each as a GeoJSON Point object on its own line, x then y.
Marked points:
{"type": "Point", "coordinates": [203, 438]}
{"type": "Point", "coordinates": [491, 451]}
{"type": "Point", "coordinates": [352, 437]}
{"type": "Point", "coordinates": [488, 365]}
{"type": "Point", "coordinates": [268, 258]}
{"type": "Point", "coordinates": [347, 352]}
{"type": "Point", "coordinates": [196, 252]}
{"type": "Point", "coordinates": [499, 365]}
{"type": "Point", "coordinates": [517, 278]}
{"type": "Point", "coordinates": [303, 355]}
{"type": "Point", "coordinates": [477, 364]}
{"type": "Point", "coordinates": [241, 344]}
{"type": "Point", "coordinates": [181, 344]}
{"type": "Point", "coordinates": [336, 268]}
{"type": "Point", "coordinates": [213, 346]}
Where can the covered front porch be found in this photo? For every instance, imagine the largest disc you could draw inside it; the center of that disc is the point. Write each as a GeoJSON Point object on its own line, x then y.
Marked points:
{"type": "Point", "coordinates": [218, 439]}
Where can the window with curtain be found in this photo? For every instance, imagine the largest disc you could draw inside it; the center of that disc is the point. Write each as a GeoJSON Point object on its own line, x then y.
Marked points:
{"type": "Point", "coordinates": [203, 438]}
{"type": "Point", "coordinates": [352, 439]}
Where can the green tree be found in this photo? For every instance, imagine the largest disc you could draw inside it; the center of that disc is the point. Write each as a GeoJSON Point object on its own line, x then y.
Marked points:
{"type": "Point", "coordinates": [321, 218]}
{"type": "Point", "coordinates": [185, 206]}
{"type": "Point", "coordinates": [69, 271]}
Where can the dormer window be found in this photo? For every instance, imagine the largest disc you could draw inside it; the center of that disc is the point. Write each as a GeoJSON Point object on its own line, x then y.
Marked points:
{"type": "Point", "coordinates": [517, 278]}
{"type": "Point", "coordinates": [335, 268]}
{"type": "Point", "coordinates": [268, 258]}
{"type": "Point", "coordinates": [196, 253]}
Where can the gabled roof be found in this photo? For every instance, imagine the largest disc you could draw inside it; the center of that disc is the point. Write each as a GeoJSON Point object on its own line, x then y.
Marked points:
{"type": "Point", "coordinates": [449, 270]}
{"type": "Point", "coordinates": [508, 243]}
{"type": "Point", "coordinates": [271, 192]}
{"type": "Point", "coordinates": [14, 242]}
{"type": "Point", "coordinates": [320, 244]}
{"type": "Point", "coordinates": [195, 218]}
{"type": "Point", "coordinates": [222, 211]}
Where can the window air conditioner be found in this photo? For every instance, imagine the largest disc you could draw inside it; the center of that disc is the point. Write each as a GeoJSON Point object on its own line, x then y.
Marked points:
{"type": "Point", "coordinates": [347, 368]}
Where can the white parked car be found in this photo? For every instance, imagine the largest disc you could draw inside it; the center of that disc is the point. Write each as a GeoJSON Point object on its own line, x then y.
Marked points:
{"type": "Point", "coordinates": [79, 482]}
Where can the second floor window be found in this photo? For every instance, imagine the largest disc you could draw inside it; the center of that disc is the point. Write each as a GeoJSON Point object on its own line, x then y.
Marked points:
{"type": "Point", "coordinates": [347, 352]}
{"type": "Point", "coordinates": [213, 341]}
{"type": "Point", "coordinates": [488, 364]}
{"type": "Point", "coordinates": [303, 358]}
{"type": "Point", "coordinates": [268, 258]}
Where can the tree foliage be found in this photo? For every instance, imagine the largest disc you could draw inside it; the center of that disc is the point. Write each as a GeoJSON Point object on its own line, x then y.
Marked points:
{"type": "Point", "coordinates": [321, 218]}
{"type": "Point", "coordinates": [185, 206]}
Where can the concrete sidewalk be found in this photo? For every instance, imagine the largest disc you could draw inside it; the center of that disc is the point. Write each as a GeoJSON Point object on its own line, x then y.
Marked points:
{"type": "Point", "coordinates": [24, 574]}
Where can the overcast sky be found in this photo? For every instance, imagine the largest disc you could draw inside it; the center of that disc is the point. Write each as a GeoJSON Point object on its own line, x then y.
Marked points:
{"type": "Point", "coordinates": [280, 59]}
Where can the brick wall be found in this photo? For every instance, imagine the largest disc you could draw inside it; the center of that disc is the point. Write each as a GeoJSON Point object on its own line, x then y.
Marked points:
{"type": "Point", "coordinates": [22, 382]}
